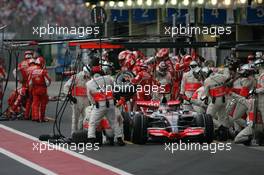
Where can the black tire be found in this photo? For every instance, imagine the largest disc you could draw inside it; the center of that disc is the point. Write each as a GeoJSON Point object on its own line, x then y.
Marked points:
{"type": "Point", "coordinates": [82, 137]}
{"type": "Point", "coordinates": [139, 133]}
{"type": "Point", "coordinates": [79, 137]}
{"type": "Point", "coordinates": [206, 121]}
{"type": "Point", "coordinates": [127, 126]}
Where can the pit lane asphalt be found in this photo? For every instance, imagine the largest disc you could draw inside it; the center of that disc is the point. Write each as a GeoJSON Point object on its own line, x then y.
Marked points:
{"type": "Point", "coordinates": [147, 159]}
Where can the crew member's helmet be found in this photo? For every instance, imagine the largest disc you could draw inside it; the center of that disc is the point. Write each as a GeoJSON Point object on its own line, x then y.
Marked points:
{"type": "Point", "coordinates": [28, 54]}
{"type": "Point", "coordinates": [163, 53]}
{"type": "Point", "coordinates": [193, 65]}
{"type": "Point", "coordinates": [122, 55]}
{"type": "Point", "coordinates": [205, 72]}
{"type": "Point", "coordinates": [130, 61]}
{"type": "Point", "coordinates": [40, 61]}
{"type": "Point", "coordinates": [187, 59]}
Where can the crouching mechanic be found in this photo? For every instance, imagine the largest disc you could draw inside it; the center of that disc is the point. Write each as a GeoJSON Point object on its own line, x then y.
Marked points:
{"type": "Point", "coordinates": [99, 91]}
{"type": "Point", "coordinates": [75, 88]}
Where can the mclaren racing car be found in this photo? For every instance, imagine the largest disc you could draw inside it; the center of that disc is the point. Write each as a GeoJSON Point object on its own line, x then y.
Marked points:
{"type": "Point", "coordinates": [167, 122]}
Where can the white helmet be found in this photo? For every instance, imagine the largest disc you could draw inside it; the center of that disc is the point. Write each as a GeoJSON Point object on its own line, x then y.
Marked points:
{"type": "Point", "coordinates": [193, 65]}
{"type": "Point", "coordinates": [259, 55]}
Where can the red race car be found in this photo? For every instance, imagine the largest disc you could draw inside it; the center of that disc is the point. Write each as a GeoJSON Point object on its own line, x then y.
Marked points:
{"type": "Point", "coordinates": [166, 121]}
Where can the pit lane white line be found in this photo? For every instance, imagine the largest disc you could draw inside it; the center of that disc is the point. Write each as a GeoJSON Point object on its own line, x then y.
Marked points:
{"type": "Point", "coordinates": [85, 158]}
{"type": "Point", "coordinates": [26, 162]}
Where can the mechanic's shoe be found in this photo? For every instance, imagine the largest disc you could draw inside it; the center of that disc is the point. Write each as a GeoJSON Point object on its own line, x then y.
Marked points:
{"type": "Point", "coordinates": [93, 141]}
{"type": "Point", "coordinates": [249, 141]}
{"type": "Point", "coordinates": [120, 142]}
{"type": "Point", "coordinates": [222, 133]}
{"type": "Point", "coordinates": [110, 141]}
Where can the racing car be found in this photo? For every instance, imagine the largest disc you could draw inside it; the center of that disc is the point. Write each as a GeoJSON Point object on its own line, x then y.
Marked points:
{"type": "Point", "coordinates": [165, 120]}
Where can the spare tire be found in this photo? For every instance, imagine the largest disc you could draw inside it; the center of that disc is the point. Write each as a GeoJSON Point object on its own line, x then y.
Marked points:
{"type": "Point", "coordinates": [206, 121]}
{"type": "Point", "coordinates": [82, 137]}
{"type": "Point", "coordinates": [139, 133]}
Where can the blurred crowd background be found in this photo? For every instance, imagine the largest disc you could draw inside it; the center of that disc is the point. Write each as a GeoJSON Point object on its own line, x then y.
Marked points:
{"type": "Point", "coordinates": [25, 12]}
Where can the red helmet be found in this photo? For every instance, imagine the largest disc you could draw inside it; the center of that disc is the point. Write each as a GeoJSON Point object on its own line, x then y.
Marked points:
{"type": "Point", "coordinates": [187, 59]}
{"type": "Point", "coordinates": [122, 55]}
{"type": "Point", "coordinates": [130, 61]}
{"type": "Point", "coordinates": [28, 54]}
{"type": "Point", "coordinates": [41, 62]}
{"type": "Point", "coordinates": [163, 53]}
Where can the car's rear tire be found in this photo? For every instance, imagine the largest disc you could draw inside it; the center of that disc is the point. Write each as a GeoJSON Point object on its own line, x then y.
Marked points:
{"type": "Point", "coordinates": [139, 133]}
{"type": "Point", "coordinates": [127, 126]}
{"type": "Point", "coordinates": [206, 121]}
